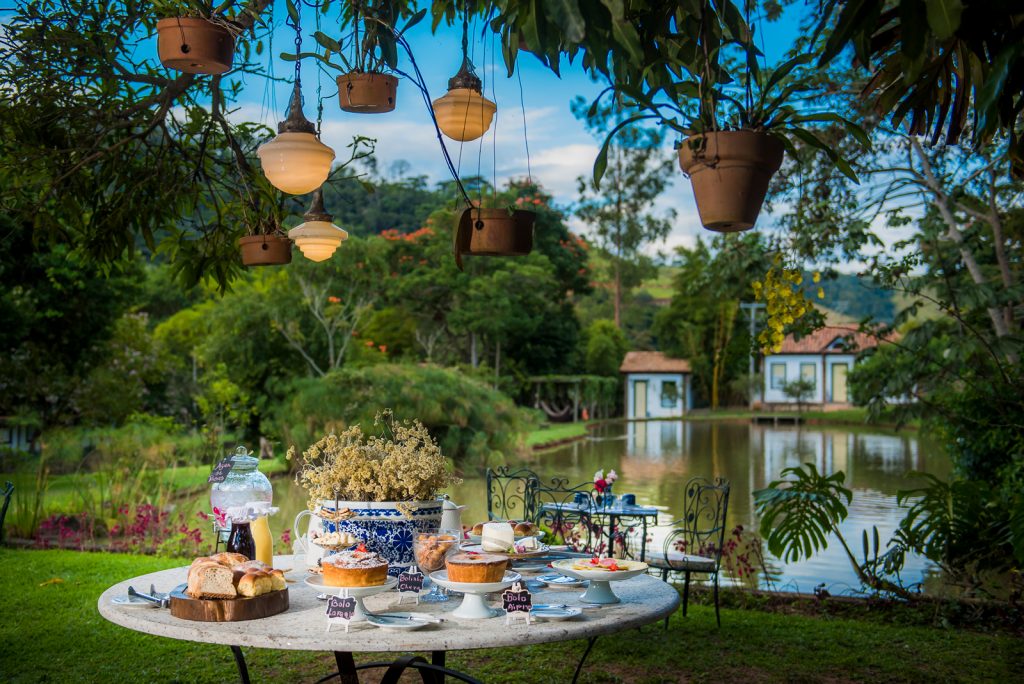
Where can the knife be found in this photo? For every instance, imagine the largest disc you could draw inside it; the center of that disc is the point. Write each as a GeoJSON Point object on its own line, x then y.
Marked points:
{"type": "Point", "coordinates": [162, 602]}
{"type": "Point", "coordinates": [410, 617]}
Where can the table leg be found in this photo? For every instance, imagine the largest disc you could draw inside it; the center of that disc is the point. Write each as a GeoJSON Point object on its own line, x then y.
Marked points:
{"type": "Point", "coordinates": [643, 541]}
{"type": "Point", "coordinates": [590, 645]}
{"type": "Point", "coordinates": [243, 670]}
{"type": "Point", "coordinates": [438, 658]}
{"type": "Point", "coordinates": [346, 667]}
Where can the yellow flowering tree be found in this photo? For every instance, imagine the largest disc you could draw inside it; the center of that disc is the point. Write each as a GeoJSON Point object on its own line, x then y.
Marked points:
{"type": "Point", "coordinates": [786, 302]}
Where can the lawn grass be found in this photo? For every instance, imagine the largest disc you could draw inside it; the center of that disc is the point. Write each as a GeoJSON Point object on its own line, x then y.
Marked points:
{"type": "Point", "coordinates": [51, 630]}
{"type": "Point", "coordinates": [555, 433]}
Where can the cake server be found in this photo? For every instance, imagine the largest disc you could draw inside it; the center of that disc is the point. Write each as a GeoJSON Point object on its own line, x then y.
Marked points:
{"type": "Point", "coordinates": [410, 617]}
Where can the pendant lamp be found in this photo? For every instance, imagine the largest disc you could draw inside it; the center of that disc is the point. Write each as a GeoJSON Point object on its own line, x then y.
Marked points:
{"type": "Point", "coordinates": [463, 113]}
{"type": "Point", "coordinates": [318, 237]}
{"type": "Point", "coordinates": [295, 161]}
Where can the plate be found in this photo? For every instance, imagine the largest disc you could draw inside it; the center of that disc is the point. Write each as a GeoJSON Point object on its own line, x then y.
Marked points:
{"type": "Point", "coordinates": [476, 538]}
{"type": "Point", "coordinates": [132, 602]}
{"type": "Point", "coordinates": [317, 582]}
{"type": "Point", "coordinates": [632, 569]}
{"type": "Point", "coordinates": [530, 567]}
{"type": "Point", "coordinates": [561, 581]}
{"type": "Point", "coordinates": [396, 621]}
{"type": "Point", "coordinates": [555, 613]}
{"type": "Point", "coordinates": [477, 548]}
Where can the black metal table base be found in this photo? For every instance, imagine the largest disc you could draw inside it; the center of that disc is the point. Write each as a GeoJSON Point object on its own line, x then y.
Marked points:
{"type": "Point", "coordinates": [579, 668]}
{"type": "Point", "coordinates": [243, 670]}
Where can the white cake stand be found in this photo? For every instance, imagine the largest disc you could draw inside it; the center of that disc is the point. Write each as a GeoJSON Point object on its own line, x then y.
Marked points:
{"type": "Point", "coordinates": [358, 593]}
{"type": "Point", "coordinates": [600, 590]}
{"type": "Point", "coordinates": [474, 605]}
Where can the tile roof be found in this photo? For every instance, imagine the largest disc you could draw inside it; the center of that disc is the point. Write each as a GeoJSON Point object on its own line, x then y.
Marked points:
{"type": "Point", "coordinates": [652, 362]}
{"type": "Point", "coordinates": [819, 341]}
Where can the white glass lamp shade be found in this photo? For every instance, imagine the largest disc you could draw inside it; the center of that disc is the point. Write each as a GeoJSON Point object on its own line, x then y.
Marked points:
{"type": "Point", "coordinates": [464, 114]}
{"type": "Point", "coordinates": [295, 162]}
{"type": "Point", "coordinates": [317, 240]}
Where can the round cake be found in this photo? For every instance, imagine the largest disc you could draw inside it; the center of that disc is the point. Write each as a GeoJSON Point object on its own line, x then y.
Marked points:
{"type": "Point", "coordinates": [356, 568]}
{"type": "Point", "coordinates": [476, 568]}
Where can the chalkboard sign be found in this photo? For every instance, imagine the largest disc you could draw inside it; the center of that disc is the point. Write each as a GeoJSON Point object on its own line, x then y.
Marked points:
{"type": "Point", "coordinates": [410, 582]}
{"type": "Point", "coordinates": [220, 471]}
{"type": "Point", "coordinates": [517, 599]}
{"type": "Point", "coordinates": [343, 608]}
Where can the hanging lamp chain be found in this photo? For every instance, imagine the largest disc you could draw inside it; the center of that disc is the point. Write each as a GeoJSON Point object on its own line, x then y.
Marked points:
{"type": "Point", "coordinates": [296, 122]}
{"type": "Point", "coordinates": [466, 76]}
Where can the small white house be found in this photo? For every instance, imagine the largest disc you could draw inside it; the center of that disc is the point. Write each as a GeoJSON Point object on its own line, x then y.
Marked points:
{"type": "Point", "coordinates": [824, 357]}
{"type": "Point", "coordinates": [656, 386]}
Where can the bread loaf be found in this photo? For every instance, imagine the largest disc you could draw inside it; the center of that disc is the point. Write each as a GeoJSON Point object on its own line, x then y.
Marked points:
{"type": "Point", "coordinates": [209, 579]}
{"type": "Point", "coordinates": [229, 559]}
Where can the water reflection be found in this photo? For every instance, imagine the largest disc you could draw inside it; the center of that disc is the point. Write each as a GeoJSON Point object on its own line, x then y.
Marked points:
{"type": "Point", "coordinates": [655, 459]}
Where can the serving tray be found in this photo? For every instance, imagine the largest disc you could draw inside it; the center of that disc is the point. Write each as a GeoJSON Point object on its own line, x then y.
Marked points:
{"type": "Point", "coordinates": [227, 610]}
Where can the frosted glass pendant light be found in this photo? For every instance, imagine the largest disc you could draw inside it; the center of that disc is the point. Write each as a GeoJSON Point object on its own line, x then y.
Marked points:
{"type": "Point", "coordinates": [318, 237]}
{"type": "Point", "coordinates": [295, 161]}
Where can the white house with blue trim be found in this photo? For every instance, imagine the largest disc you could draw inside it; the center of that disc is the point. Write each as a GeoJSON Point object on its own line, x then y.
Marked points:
{"type": "Point", "coordinates": [656, 386]}
{"type": "Point", "coordinates": [824, 357]}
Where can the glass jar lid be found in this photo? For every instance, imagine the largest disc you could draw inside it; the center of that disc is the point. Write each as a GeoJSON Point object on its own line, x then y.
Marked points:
{"type": "Point", "coordinates": [242, 459]}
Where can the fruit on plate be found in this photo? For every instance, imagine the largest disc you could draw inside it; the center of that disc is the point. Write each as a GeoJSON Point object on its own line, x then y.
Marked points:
{"type": "Point", "coordinates": [606, 564]}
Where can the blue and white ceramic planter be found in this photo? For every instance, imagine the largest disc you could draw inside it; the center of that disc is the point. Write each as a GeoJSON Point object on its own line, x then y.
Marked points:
{"type": "Point", "coordinates": [381, 525]}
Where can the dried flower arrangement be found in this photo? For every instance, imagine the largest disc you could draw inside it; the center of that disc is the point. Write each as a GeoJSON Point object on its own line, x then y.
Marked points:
{"type": "Point", "coordinates": [404, 463]}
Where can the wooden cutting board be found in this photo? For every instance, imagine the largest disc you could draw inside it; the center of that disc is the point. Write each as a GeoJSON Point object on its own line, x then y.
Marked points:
{"type": "Point", "coordinates": [227, 610]}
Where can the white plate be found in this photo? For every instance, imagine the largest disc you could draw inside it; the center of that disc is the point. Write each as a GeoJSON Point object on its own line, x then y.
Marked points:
{"type": "Point", "coordinates": [477, 548]}
{"type": "Point", "coordinates": [132, 602]}
{"type": "Point", "coordinates": [317, 582]}
{"type": "Point", "coordinates": [476, 538]}
{"type": "Point", "coordinates": [394, 621]}
{"type": "Point", "coordinates": [531, 567]}
{"type": "Point", "coordinates": [635, 568]}
{"type": "Point", "coordinates": [556, 613]}
{"type": "Point", "coordinates": [561, 581]}
{"type": "Point", "coordinates": [441, 577]}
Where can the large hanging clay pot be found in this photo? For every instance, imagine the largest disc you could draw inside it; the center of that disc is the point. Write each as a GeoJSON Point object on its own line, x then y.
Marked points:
{"type": "Point", "coordinates": [265, 250]}
{"type": "Point", "coordinates": [194, 45]}
{"type": "Point", "coordinates": [494, 232]}
{"type": "Point", "coordinates": [367, 93]}
{"type": "Point", "coordinates": [730, 172]}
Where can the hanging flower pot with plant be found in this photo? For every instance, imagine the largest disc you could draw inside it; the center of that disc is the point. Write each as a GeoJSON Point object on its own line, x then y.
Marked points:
{"type": "Point", "coordinates": [735, 140]}
{"type": "Point", "coordinates": [494, 232]}
{"type": "Point", "coordinates": [271, 249]}
{"type": "Point", "coordinates": [367, 93]}
{"type": "Point", "coordinates": [199, 44]}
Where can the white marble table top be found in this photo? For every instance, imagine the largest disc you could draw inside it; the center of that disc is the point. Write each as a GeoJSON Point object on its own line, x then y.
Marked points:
{"type": "Point", "coordinates": [645, 599]}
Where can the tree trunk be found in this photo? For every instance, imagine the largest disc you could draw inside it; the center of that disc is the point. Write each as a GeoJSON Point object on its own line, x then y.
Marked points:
{"type": "Point", "coordinates": [474, 359]}
{"type": "Point", "coordinates": [497, 362]}
{"type": "Point", "coordinates": [617, 295]}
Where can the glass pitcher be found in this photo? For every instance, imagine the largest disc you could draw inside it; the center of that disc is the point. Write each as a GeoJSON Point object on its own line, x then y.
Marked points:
{"type": "Point", "coordinates": [244, 484]}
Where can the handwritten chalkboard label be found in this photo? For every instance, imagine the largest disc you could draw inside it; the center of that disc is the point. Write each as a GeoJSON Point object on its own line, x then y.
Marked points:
{"type": "Point", "coordinates": [410, 582]}
{"type": "Point", "coordinates": [343, 608]}
{"type": "Point", "coordinates": [220, 471]}
{"type": "Point", "coordinates": [517, 599]}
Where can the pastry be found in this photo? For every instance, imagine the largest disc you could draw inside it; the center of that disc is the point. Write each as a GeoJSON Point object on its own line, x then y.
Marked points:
{"type": "Point", "coordinates": [478, 529]}
{"type": "Point", "coordinates": [276, 576]}
{"type": "Point", "coordinates": [229, 559]}
{"type": "Point", "coordinates": [497, 536]}
{"type": "Point", "coordinates": [431, 549]}
{"type": "Point", "coordinates": [209, 579]}
{"type": "Point", "coordinates": [476, 568]}
{"type": "Point", "coordinates": [526, 529]}
{"type": "Point", "coordinates": [335, 540]}
{"type": "Point", "coordinates": [356, 568]}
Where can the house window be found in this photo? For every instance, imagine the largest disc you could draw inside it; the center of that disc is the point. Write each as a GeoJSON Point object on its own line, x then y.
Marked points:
{"type": "Point", "coordinates": [808, 372]}
{"type": "Point", "coordinates": [669, 394]}
{"type": "Point", "coordinates": [778, 376]}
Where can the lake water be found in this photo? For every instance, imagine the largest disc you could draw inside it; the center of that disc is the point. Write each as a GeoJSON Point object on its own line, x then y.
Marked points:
{"type": "Point", "coordinates": [655, 460]}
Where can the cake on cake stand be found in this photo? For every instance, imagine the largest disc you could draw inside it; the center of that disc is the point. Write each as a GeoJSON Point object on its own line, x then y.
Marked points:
{"type": "Point", "coordinates": [474, 603]}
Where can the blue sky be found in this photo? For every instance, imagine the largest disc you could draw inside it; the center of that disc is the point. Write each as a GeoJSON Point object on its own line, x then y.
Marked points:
{"type": "Point", "coordinates": [560, 148]}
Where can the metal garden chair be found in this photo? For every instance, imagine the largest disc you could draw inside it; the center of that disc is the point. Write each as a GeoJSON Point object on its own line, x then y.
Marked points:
{"type": "Point", "coordinates": [694, 544]}
{"type": "Point", "coordinates": [8, 491]}
{"type": "Point", "coordinates": [566, 510]}
{"type": "Point", "coordinates": [512, 494]}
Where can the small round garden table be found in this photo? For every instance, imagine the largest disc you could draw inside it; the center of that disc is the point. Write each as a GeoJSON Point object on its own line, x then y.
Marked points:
{"type": "Point", "coordinates": [304, 626]}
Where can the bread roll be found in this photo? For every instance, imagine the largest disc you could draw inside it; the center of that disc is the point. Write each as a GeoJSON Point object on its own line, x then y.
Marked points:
{"type": "Point", "coordinates": [478, 528]}
{"type": "Point", "coordinates": [229, 559]}
{"type": "Point", "coordinates": [255, 583]}
{"type": "Point", "coordinates": [209, 579]}
{"type": "Point", "coordinates": [277, 582]}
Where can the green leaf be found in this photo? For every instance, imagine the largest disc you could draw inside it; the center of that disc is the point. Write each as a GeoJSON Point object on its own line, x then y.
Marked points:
{"type": "Point", "coordinates": [601, 163]}
{"type": "Point", "coordinates": [413, 20]}
{"type": "Point", "coordinates": [566, 14]}
{"type": "Point", "coordinates": [293, 12]}
{"type": "Point", "coordinates": [817, 143]}
{"type": "Point", "coordinates": [326, 41]}
{"type": "Point", "coordinates": [944, 17]}
{"type": "Point", "coordinates": [988, 98]}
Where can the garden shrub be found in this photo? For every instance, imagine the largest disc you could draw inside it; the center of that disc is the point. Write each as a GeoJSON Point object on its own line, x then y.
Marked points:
{"type": "Point", "coordinates": [469, 419]}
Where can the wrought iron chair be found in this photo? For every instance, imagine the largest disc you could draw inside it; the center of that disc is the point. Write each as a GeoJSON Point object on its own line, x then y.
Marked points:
{"type": "Point", "coordinates": [566, 510]}
{"type": "Point", "coordinates": [512, 494]}
{"type": "Point", "coordinates": [695, 543]}
{"type": "Point", "coordinates": [8, 491]}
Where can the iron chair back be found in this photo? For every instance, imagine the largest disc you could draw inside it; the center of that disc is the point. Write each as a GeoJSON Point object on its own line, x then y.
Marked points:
{"type": "Point", "coordinates": [512, 494]}
{"type": "Point", "coordinates": [701, 531]}
{"type": "Point", "coordinates": [567, 511]}
{"type": "Point", "coordinates": [8, 491]}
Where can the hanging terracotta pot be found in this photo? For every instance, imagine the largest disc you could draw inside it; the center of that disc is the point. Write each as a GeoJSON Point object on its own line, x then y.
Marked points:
{"type": "Point", "coordinates": [194, 45]}
{"type": "Point", "coordinates": [730, 172]}
{"type": "Point", "coordinates": [367, 93]}
{"type": "Point", "coordinates": [494, 232]}
{"type": "Point", "coordinates": [265, 250]}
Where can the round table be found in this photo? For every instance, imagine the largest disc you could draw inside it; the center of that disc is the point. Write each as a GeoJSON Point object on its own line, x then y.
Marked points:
{"type": "Point", "coordinates": [645, 599]}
